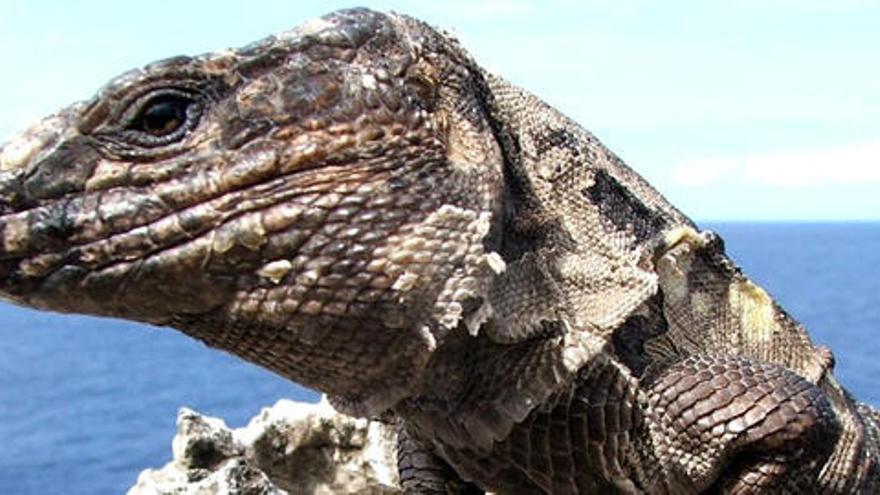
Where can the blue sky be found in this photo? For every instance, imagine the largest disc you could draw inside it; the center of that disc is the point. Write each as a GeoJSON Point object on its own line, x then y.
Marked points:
{"type": "Point", "coordinates": [738, 110]}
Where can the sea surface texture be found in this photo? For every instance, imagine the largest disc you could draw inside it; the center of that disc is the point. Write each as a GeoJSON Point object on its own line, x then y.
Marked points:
{"type": "Point", "coordinates": [86, 403]}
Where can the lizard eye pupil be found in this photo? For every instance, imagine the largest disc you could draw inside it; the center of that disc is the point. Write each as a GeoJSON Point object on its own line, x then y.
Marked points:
{"type": "Point", "coordinates": [163, 116]}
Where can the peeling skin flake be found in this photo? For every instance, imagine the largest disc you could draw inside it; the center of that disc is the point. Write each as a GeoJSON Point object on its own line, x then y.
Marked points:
{"type": "Point", "coordinates": [496, 263]}
{"type": "Point", "coordinates": [275, 270]}
{"type": "Point", "coordinates": [405, 282]}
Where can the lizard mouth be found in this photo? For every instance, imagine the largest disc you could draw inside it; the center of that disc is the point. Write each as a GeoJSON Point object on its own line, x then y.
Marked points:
{"type": "Point", "coordinates": [9, 262]}
{"type": "Point", "coordinates": [15, 281]}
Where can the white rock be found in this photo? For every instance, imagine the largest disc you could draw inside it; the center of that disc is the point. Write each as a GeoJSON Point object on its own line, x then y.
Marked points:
{"type": "Point", "coordinates": [291, 447]}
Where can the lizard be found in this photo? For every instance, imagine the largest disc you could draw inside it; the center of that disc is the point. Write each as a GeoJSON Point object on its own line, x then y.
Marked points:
{"type": "Point", "coordinates": [358, 206]}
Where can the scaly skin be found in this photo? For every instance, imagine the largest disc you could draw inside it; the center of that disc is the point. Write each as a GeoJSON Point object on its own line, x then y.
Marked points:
{"type": "Point", "coordinates": [359, 207]}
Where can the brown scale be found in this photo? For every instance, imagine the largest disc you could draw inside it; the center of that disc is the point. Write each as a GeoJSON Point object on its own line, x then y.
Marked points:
{"type": "Point", "coordinates": [765, 421]}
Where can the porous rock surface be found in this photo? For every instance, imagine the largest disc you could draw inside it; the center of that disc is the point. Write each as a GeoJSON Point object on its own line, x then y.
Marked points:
{"type": "Point", "coordinates": [289, 448]}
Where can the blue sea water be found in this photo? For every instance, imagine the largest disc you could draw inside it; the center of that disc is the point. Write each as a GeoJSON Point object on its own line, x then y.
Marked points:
{"type": "Point", "coordinates": [86, 403]}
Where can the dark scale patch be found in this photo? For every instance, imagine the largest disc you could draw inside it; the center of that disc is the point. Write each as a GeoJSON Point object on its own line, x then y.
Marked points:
{"type": "Point", "coordinates": [556, 139]}
{"type": "Point", "coordinates": [630, 337]}
{"type": "Point", "coordinates": [525, 226]}
{"type": "Point", "coordinates": [622, 209]}
{"type": "Point", "coordinates": [51, 227]}
{"type": "Point", "coordinates": [11, 197]}
{"type": "Point", "coordinates": [526, 230]}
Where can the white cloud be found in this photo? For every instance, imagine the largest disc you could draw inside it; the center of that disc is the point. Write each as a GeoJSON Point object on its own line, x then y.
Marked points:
{"type": "Point", "coordinates": [853, 164]}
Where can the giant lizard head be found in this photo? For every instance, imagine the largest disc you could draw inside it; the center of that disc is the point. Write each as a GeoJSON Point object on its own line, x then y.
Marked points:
{"type": "Point", "coordinates": [319, 202]}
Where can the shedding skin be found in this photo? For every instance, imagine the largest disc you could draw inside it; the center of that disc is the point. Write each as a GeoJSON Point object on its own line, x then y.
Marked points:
{"type": "Point", "coordinates": [357, 206]}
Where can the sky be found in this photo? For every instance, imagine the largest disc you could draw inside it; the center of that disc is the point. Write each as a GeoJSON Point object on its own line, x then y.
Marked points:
{"type": "Point", "coordinates": [737, 110]}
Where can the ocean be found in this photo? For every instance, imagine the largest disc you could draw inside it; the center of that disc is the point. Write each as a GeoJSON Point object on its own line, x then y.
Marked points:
{"type": "Point", "coordinates": [87, 403]}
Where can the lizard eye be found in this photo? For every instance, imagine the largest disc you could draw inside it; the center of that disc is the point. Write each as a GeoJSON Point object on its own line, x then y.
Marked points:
{"type": "Point", "coordinates": [163, 117]}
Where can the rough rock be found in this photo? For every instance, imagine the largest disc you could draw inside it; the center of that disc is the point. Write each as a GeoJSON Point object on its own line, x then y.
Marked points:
{"type": "Point", "coordinates": [291, 447]}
